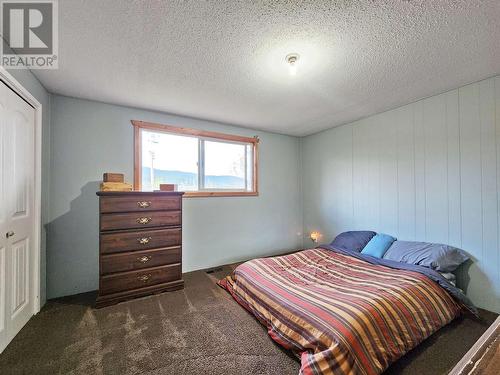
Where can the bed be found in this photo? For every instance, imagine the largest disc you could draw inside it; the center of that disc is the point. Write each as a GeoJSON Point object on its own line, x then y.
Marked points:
{"type": "Point", "coordinates": [341, 312]}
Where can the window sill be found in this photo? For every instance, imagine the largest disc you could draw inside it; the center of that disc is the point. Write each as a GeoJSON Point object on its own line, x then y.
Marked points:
{"type": "Point", "coordinates": [204, 194]}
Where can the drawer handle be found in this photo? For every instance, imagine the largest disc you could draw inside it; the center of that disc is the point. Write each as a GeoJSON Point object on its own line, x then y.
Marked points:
{"type": "Point", "coordinates": [143, 220]}
{"type": "Point", "coordinates": [144, 240]}
{"type": "Point", "coordinates": [144, 278]}
{"type": "Point", "coordinates": [144, 204]}
{"type": "Point", "coordinates": [144, 259]}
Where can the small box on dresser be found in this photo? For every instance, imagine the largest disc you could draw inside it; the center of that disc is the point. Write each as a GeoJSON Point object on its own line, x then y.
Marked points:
{"type": "Point", "coordinates": [140, 244]}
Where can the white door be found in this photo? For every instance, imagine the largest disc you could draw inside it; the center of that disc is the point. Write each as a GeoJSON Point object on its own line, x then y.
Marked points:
{"type": "Point", "coordinates": [17, 169]}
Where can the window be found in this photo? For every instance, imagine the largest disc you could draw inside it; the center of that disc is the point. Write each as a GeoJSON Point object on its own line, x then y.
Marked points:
{"type": "Point", "coordinates": [201, 163]}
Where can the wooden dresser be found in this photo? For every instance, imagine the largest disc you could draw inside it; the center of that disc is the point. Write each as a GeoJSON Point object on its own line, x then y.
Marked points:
{"type": "Point", "coordinates": [140, 244]}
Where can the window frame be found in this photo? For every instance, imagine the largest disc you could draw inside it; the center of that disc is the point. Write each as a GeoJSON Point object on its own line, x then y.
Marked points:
{"type": "Point", "coordinates": [196, 133]}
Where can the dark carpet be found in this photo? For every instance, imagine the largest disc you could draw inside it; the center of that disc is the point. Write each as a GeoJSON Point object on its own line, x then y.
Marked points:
{"type": "Point", "coordinates": [198, 330]}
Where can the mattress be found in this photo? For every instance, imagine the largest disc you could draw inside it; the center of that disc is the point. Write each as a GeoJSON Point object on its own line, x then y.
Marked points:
{"type": "Point", "coordinates": [338, 313]}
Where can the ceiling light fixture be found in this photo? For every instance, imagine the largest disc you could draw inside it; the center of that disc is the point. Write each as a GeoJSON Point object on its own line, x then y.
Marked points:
{"type": "Point", "coordinates": [292, 60]}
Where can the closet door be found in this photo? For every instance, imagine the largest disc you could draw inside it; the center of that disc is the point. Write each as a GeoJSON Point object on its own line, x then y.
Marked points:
{"type": "Point", "coordinates": [17, 161]}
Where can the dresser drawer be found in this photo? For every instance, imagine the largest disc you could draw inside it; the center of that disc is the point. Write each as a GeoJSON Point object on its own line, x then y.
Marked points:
{"type": "Point", "coordinates": [132, 220]}
{"type": "Point", "coordinates": [140, 259]}
{"type": "Point", "coordinates": [138, 279]}
{"type": "Point", "coordinates": [139, 203]}
{"type": "Point", "coordinates": [139, 240]}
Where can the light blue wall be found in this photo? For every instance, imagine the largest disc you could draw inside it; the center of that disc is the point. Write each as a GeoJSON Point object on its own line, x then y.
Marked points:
{"type": "Point", "coordinates": [30, 83]}
{"type": "Point", "coordinates": [89, 138]}
{"type": "Point", "coordinates": [426, 171]}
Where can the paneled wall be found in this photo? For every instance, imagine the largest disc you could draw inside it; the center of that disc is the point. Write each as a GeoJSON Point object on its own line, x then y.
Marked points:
{"type": "Point", "coordinates": [428, 171]}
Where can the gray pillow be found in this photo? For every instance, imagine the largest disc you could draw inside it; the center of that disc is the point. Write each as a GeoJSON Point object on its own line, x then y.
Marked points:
{"type": "Point", "coordinates": [354, 240]}
{"type": "Point", "coordinates": [442, 258]}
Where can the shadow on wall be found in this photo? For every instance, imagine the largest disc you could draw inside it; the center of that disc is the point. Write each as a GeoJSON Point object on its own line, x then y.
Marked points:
{"type": "Point", "coordinates": [463, 274]}
{"type": "Point", "coordinates": [72, 246]}
{"type": "Point", "coordinates": [473, 269]}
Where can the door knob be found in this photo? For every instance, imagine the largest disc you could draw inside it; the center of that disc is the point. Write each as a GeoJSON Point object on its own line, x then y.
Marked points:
{"type": "Point", "coordinates": [9, 234]}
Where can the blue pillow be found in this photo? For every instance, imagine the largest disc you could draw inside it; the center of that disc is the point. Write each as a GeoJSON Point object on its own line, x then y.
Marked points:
{"type": "Point", "coordinates": [378, 245]}
{"type": "Point", "coordinates": [442, 258]}
{"type": "Point", "coordinates": [353, 240]}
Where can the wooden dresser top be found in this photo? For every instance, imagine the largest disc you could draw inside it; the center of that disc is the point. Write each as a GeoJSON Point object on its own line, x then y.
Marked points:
{"type": "Point", "coordinates": [134, 193]}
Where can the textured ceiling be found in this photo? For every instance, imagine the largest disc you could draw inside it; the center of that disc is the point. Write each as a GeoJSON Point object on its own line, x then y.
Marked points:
{"type": "Point", "coordinates": [223, 60]}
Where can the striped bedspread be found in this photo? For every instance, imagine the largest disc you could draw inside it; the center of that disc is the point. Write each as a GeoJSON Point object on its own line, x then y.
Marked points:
{"type": "Point", "coordinates": [340, 314]}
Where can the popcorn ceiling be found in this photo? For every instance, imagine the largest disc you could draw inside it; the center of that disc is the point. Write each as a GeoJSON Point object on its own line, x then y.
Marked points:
{"type": "Point", "coordinates": [225, 60]}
